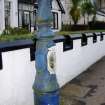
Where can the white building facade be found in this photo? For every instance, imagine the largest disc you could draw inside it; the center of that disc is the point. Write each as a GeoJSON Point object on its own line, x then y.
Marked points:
{"type": "Point", "coordinates": [8, 13]}
{"type": "Point", "coordinates": [57, 10]}
{"type": "Point", "coordinates": [21, 13]}
{"type": "Point", "coordinates": [101, 7]}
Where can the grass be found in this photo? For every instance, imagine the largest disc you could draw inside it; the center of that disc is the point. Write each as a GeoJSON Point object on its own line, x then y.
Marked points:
{"type": "Point", "coordinates": [10, 38]}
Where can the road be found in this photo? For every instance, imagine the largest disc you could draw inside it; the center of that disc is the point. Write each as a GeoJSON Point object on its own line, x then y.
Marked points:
{"type": "Point", "coordinates": [86, 89]}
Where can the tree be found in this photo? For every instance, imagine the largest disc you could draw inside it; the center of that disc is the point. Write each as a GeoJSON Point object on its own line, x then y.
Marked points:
{"type": "Point", "coordinates": [83, 11]}
{"type": "Point", "coordinates": [75, 14]}
{"type": "Point", "coordinates": [88, 8]}
{"type": "Point", "coordinates": [75, 11]}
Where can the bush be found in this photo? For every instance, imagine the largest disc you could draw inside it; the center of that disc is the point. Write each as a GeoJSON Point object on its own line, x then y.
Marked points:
{"type": "Point", "coordinates": [77, 27]}
{"type": "Point", "coordinates": [96, 25]}
{"type": "Point", "coordinates": [15, 31]}
{"type": "Point", "coordinates": [66, 27]}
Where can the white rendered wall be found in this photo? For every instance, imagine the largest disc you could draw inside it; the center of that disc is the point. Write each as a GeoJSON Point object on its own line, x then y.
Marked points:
{"type": "Point", "coordinates": [18, 73]}
{"type": "Point", "coordinates": [16, 78]}
{"type": "Point", "coordinates": [73, 62]}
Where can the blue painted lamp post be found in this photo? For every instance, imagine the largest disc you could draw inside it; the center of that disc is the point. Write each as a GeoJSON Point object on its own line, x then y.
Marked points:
{"type": "Point", "coordinates": [46, 88]}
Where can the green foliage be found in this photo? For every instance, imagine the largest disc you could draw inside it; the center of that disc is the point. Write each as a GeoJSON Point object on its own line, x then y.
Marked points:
{"type": "Point", "coordinates": [88, 8]}
{"type": "Point", "coordinates": [11, 34]}
{"type": "Point", "coordinates": [82, 7]}
{"type": "Point", "coordinates": [15, 31]}
{"type": "Point", "coordinates": [66, 27]}
{"type": "Point", "coordinates": [10, 38]}
{"type": "Point", "coordinates": [75, 14]}
{"type": "Point", "coordinates": [76, 3]}
{"type": "Point", "coordinates": [75, 11]}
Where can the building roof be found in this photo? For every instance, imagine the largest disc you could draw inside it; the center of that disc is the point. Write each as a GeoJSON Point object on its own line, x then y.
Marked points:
{"type": "Point", "coordinates": [33, 1]}
{"type": "Point", "coordinates": [101, 13]}
{"type": "Point", "coordinates": [61, 6]}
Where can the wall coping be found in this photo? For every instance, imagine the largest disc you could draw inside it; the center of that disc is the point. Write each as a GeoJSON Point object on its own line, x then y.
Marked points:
{"type": "Point", "coordinates": [77, 36]}
{"type": "Point", "coordinates": [28, 43]}
{"type": "Point", "coordinates": [15, 45]}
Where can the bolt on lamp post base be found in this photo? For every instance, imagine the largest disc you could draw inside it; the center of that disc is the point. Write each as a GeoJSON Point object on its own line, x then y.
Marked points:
{"type": "Point", "coordinates": [51, 98]}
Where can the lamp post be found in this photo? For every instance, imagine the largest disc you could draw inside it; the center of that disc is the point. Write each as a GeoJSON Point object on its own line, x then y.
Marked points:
{"type": "Point", "coordinates": [46, 88]}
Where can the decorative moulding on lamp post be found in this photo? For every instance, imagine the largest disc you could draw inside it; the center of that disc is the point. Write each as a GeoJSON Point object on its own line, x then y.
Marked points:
{"type": "Point", "coordinates": [46, 88]}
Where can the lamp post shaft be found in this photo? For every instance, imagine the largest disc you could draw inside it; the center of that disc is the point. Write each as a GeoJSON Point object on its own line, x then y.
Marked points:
{"type": "Point", "coordinates": [46, 88]}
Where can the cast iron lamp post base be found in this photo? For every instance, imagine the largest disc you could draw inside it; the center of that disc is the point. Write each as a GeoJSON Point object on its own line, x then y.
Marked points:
{"type": "Point", "coordinates": [46, 88]}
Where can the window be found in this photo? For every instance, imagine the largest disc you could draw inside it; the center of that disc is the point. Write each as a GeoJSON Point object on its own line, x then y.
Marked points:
{"type": "Point", "coordinates": [7, 5]}
{"type": "Point", "coordinates": [55, 20]}
{"type": "Point", "coordinates": [33, 18]}
{"type": "Point", "coordinates": [26, 16]}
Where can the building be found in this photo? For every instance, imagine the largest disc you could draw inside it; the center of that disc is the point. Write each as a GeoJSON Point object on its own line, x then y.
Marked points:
{"type": "Point", "coordinates": [26, 14]}
{"type": "Point", "coordinates": [67, 19]}
{"type": "Point", "coordinates": [8, 14]}
{"type": "Point", "coordinates": [21, 13]}
{"type": "Point", "coordinates": [101, 10]}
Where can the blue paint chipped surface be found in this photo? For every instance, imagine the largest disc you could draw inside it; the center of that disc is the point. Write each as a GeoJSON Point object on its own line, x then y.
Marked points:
{"type": "Point", "coordinates": [46, 88]}
{"type": "Point", "coordinates": [44, 81]}
{"type": "Point", "coordinates": [45, 19]}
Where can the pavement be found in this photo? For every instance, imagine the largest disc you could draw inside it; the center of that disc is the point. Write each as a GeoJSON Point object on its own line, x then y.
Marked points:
{"type": "Point", "coordinates": [86, 89]}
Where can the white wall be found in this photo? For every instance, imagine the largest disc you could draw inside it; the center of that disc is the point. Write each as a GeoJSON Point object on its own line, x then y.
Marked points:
{"type": "Point", "coordinates": [18, 73]}
{"type": "Point", "coordinates": [73, 62]}
{"type": "Point", "coordinates": [16, 78]}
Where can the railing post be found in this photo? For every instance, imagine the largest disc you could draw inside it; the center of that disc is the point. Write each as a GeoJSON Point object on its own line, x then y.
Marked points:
{"type": "Point", "coordinates": [46, 88]}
